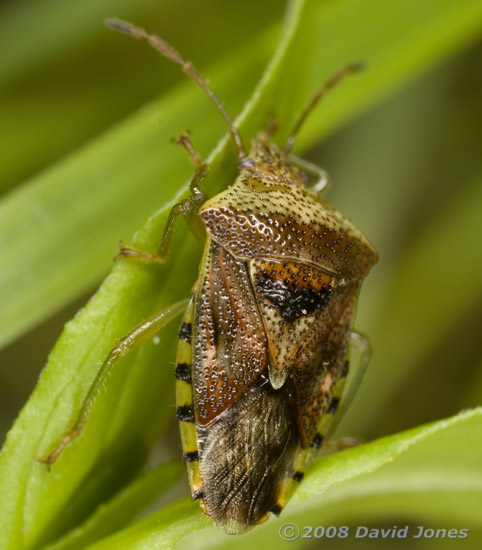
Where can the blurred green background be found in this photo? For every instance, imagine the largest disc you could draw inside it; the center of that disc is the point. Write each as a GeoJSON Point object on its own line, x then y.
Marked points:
{"type": "Point", "coordinates": [407, 170]}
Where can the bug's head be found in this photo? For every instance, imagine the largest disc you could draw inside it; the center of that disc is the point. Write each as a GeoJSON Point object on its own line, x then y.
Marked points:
{"type": "Point", "coordinates": [272, 161]}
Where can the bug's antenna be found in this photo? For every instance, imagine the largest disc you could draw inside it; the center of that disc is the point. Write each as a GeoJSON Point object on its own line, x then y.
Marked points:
{"type": "Point", "coordinates": [333, 81]}
{"type": "Point", "coordinates": [168, 51]}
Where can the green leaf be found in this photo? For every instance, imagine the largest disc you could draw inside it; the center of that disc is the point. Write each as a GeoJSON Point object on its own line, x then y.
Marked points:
{"type": "Point", "coordinates": [123, 508]}
{"type": "Point", "coordinates": [72, 222]}
{"type": "Point", "coordinates": [420, 473]}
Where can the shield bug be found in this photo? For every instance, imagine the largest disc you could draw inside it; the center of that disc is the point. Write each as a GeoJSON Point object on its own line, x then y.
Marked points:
{"type": "Point", "coordinates": [261, 362]}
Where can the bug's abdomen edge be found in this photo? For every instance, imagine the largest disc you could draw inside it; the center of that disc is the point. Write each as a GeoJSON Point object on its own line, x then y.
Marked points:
{"type": "Point", "coordinates": [184, 403]}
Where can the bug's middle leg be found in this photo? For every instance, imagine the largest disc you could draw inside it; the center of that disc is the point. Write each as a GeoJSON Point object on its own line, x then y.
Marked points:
{"type": "Point", "coordinates": [188, 208]}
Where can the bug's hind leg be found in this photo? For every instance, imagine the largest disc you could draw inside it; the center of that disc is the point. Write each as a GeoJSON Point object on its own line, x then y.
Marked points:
{"type": "Point", "coordinates": [342, 396]}
{"type": "Point", "coordinates": [145, 330]}
{"type": "Point", "coordinates": [345, 389]}
{"type": "Point", "coordinates": [354, 380]}
{"type": "Point", "coordinates": [187, 208]}
{"type": "Point", "coordinates": [303, 457]}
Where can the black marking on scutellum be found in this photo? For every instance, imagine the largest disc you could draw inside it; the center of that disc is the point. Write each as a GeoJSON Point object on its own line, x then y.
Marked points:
{"type": "Point", "coordinates": [185, 413]}
{"type": "Point", "coordinates": [197, 495]}
{"type": "Point", "coordinates": [183, 372]}
{"type": "Point", "coordinates": [317, 441]}
{"type": "Point", "coordinates": [298, 476]}
{"type": "Point", "coordinates": [276, 509]}
{"type": "Point", "coordinates": [191, 457]}
{"type": "Point", "coordinates": [292, 302]}
{"type": "Point", "coordinates": [334, 405]}
{"type": "Point", "coordinates": [185, 332]}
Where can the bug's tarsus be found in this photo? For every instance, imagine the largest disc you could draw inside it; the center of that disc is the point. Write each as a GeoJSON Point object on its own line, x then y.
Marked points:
{"type": "Point", "coordinates": [188, 208]}
{"type": "Point", "coordinates": [52, 457]}
{"type": "Point", "coordinates": [185, 141]}
{"type": "Point", "coordinates": [183, 208]}
{"type": "Point", "coordinates": [146, 257]}
{"type": "Point", "coordinates": [342, 444]}
{"type": "Point", "coordinates": [168, 51]}
{"type": "Point", "coordinates": [333, 81]}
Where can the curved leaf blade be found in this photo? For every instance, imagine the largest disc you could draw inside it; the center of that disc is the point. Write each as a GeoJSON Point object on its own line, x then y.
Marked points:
{"type": "Point", "coordinates": [140, 291]}
{"type": "Point", "coordinates": [380, 467]}
{"type": "Point", "coordinates": [122, 509]}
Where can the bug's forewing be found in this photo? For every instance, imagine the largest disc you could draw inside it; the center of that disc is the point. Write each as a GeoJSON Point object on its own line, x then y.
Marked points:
{"type": "Point", "coordinates": [320, 362]}
{"type": "Point", "coordinates": [246, 454]}
{"type": "Point", "coordinates": [248, 451]}
{"type": "Point", "coordinates": [307, 316]}
{"type": "Point", "coordinates": [246, 430]}
{"type": "Point", "coordinates": [229, 339]}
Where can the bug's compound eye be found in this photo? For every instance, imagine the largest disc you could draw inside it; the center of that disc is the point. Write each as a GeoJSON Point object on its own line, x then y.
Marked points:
{"type": "Point", "coordinates": [246, 163]}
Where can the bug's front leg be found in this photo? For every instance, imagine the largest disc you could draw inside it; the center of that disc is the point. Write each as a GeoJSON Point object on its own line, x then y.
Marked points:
{"type": "Point", "coordinates": [318, 180]}
{"type": "Point", "coordinates": [188, 208]}
{"type": "Point", "coordinates": [145, 330]}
